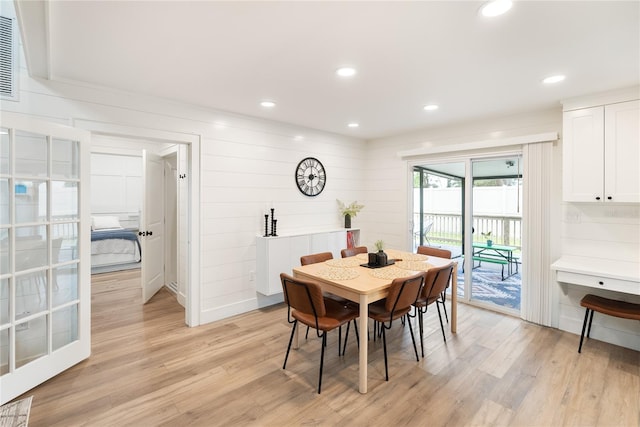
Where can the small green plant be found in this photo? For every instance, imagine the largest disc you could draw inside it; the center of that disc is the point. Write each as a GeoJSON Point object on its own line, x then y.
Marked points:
{"type": "Point", "coordinates": [351, 210]}
{"type": "Point", "coordinates": [486, 235]}
{"type": "Point", "coordinates": [379, 245]}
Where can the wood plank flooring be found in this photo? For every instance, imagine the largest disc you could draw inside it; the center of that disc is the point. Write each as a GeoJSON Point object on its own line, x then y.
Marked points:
{"type": "Point", "coordinates": [147, 368]}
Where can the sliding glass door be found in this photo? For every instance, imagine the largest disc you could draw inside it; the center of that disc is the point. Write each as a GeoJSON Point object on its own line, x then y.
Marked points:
{"type": "Point", "coordinates": [497, 238]}
{"type": "Point", "coordinates": [483, 195]}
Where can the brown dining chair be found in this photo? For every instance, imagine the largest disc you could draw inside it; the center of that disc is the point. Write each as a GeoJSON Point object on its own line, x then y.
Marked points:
{"type": "Point", "coordinates": [322, 257]}
{"type": "Point", "coordinates": [306, 304]}
{"type": "Point", "coordinates": [353, 251]}
{"type": "Point", "coordinates": [440, 253]}
{"type": "Point", "coordinates": [403, 293]}
{"type": "Point", "coordinates": [436, 281]}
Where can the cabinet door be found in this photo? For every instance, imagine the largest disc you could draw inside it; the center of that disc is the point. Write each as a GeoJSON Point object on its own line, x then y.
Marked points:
{"type": "Point", "coordinates": [622, 152]}
{"type": "Point", "coordinates": [583, 155]}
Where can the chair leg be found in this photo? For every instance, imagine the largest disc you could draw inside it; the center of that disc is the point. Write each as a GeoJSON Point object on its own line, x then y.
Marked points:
{"type": "Point", "coordinates": [355, 325]}
{"type": "Point", "coordinates": [340, 339]}
{"type": "Point", "coordinates": [306, 336]}
{"type": "Point", "coordinates": [584, 326]}
{"type": "Point", "coordinates": [421, 326]}
{"type": "Point", "coordinates": [441, 325]}
{"type": "Point", "coordinates": [415, 349]}
{"type": "Point", "coordinates": [589, 329]}
{"type": "Point", "coordinates": [293, 331]}
{"type": "Point", "coordinates": [324, 344]}
{"type": "Point", "coordinates": [346, 338]}
{"type": "Point", "coordinates": [444, 299]}
{"type": "Point", "coordinates": [384, 343]}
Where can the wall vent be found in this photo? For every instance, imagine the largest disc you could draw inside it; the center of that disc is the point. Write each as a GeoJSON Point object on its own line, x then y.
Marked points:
{"type": "Point", "coordinates": [8, 59]}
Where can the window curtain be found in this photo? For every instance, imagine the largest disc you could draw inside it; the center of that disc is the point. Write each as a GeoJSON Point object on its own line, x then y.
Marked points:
{"type": "Point", "coordinates": [537, 293]}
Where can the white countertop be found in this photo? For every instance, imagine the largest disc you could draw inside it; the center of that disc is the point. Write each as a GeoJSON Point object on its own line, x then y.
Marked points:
{"type": "Point", "coordinates": [622, 270]}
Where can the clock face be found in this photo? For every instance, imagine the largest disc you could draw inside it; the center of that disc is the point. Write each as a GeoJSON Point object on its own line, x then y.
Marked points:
{"type": "Point", "coordinates": [310, 177]}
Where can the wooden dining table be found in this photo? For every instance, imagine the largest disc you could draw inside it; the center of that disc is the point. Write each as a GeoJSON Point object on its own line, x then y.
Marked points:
{"type": "Point", "coordinates": [346, 277]}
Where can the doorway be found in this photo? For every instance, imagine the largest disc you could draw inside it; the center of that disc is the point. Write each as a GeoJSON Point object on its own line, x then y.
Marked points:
{"type": "Point", "coordinates": [136, 183]}
{"type": "Point", "coordinates": [483, 195]}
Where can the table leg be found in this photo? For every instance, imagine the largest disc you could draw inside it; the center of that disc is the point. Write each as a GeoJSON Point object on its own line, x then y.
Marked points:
{"type": "Point", "coordinates": [454, 299]}
{"type": "Point", "coordinates": [364, 332]}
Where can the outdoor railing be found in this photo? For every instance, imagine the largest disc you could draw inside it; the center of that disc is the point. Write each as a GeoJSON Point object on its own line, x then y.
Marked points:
{"type": "Point", "coordinates": [447, 229]}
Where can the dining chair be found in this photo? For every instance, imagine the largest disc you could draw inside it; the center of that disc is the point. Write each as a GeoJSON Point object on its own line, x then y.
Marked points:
{"type": "Point", "coordinates": [322, 257]}
{"type": "Point", "coordinates": [306, 304]}
{"type": "Point", "coordinates": [353, 251]}
{"type": "Point", "coordinates": [440, 253]}
{"type": "Point", "coordinates": [403, 293]}
{"type": "Point", "coordinates": [435, 282]}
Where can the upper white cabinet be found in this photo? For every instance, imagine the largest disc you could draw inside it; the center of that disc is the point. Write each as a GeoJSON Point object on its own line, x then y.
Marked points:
{"type": "Point", "coordinates": [601, 153]}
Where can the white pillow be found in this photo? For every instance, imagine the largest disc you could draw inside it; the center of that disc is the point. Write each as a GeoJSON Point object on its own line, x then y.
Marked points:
{"type": "Point", "coordinates": [105, 222]}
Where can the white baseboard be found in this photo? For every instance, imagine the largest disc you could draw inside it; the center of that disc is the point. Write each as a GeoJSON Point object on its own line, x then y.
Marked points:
{"type": "Point", "coordinates": [219, 313]}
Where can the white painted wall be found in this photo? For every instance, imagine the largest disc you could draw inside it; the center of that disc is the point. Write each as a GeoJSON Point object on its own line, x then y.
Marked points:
{"type": "Point", "coordinates": [247, 164]}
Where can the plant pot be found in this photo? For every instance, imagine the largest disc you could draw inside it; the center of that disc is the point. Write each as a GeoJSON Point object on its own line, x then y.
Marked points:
{"type": "Point", "coordinates": [489, 242]}
{"type": "Point", "coordinates": [381, 258]}
{"type": "Point", "coordinates": [347, 221]}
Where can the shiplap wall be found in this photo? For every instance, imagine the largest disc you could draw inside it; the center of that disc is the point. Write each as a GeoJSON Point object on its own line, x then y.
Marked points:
{"type": "Point", "coordinates": [600, 231]}
{"type": "Point", "coordinates": [247, 165]}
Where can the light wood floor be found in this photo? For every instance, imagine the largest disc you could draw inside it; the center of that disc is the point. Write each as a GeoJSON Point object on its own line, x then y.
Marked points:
{"type": "Point", "coordinates": [147, 368]}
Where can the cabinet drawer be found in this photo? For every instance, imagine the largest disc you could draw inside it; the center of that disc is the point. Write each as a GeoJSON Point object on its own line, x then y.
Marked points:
{"type": "Point", "coordinates": [599, 282]}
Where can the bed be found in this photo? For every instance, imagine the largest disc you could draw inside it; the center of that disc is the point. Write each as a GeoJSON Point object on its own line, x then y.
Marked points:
{"type": "Point", "coordinates": [113, 246]}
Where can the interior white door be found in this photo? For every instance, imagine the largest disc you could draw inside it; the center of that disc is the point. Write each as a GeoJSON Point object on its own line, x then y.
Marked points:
{"type": "Point", "coordinates": [151, 233]}
{"type": "Point", "coordinates": [45, 265]}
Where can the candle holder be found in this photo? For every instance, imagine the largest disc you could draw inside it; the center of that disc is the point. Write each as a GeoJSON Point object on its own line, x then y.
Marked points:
{"type": "Point", "coordinates": [272, 222]}
{"type": "Point", "coordinates": [273, 227]}
{"type": "Point", "coordinates": [266, 225]}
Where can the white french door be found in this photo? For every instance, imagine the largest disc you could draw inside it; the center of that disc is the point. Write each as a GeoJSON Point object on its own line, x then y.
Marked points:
{"type": "Point", "coordinates": [45, 292]}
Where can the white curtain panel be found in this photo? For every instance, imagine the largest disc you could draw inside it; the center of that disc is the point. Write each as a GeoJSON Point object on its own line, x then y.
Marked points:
{"type": "Point", "coordinates": [537, 295]}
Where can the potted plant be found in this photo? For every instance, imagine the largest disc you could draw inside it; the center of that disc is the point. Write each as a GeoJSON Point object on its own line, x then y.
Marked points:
{"type": "Point", "coordinates": [349, 211]}
{"type": "Point", "coordinates": [487, 236]}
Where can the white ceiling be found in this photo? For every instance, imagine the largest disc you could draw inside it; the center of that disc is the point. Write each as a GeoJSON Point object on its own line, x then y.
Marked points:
{"type": "Point", "coordinates": [231, 55]}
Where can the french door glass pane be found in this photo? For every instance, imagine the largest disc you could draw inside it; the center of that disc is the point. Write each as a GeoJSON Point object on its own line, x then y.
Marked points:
{"type": "Point", "coordinates": [65, 284]}
{"type": "Point", "coordinates": [64, 200]}
{"type": "Point", "coordinates": [31, 201]}
{"type": "Point", "coordinates": [65, 326]}
{"type": "Point", "coordinates": [31, 293]}
{"type": "Point", "coordinates": [65, 158]}
{"type": "Point", "coordinates": [4, 201]}
{"type": "Point", "coordinates": [4, 351]}
{"type": "Point", "coordinates": [5, 248]}
{"type": "Point", "coordinates": [31, 340]}
{"type": "Point", "coordinates": [31, 154]}
{"type": "Point", "coordinates": [4, 301]}
{"type": "Point", "coordinates": [4, 151]}
{"type": "Point", "coordinates": [31, 249]}
{"type": "Point", "coordinates": [64, 242]}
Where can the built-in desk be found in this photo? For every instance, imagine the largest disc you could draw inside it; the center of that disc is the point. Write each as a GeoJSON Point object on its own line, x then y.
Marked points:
{"type": "Point", "coordinates": [618, 276]}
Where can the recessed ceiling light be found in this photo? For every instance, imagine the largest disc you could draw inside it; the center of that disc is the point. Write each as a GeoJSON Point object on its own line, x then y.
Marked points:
{"type": "Point", "coordinates": [430, 107]}
{"type": "Point", "coordinates": [554, 79]}
{"type": "Point", "coordinates": [268, 104]}
{"type": "Point", "coordinates": [346, 72]}
{"type": "Point", "coordinates": [353, 125]}
{"type": "Point", "coordinates": [298, 138]}
{"type": "Point", "coordinates": [495, 8]}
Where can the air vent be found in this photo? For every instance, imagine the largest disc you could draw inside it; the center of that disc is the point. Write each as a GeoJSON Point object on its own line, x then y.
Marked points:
{"type": "Point", "coordinates": [8, 89]}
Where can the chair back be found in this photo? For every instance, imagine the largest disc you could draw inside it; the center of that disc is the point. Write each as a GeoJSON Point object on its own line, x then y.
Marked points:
{"type": "Point", "coordinates": [353, 251]}
{"type": "Point", "coordinates": [436, 281]}
{"type": "Point", "coordinates": [303, 296]}
{"type": "Point", "coordinates": [430, 250]}
{"type": "Point", "coordinates": [403, 293]}
{"type": "Point", "coordinates": [315, 258]}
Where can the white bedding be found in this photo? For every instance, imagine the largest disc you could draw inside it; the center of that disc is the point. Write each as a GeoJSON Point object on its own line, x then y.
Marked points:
{"type": "Point", "coordinates": [114, 251]}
